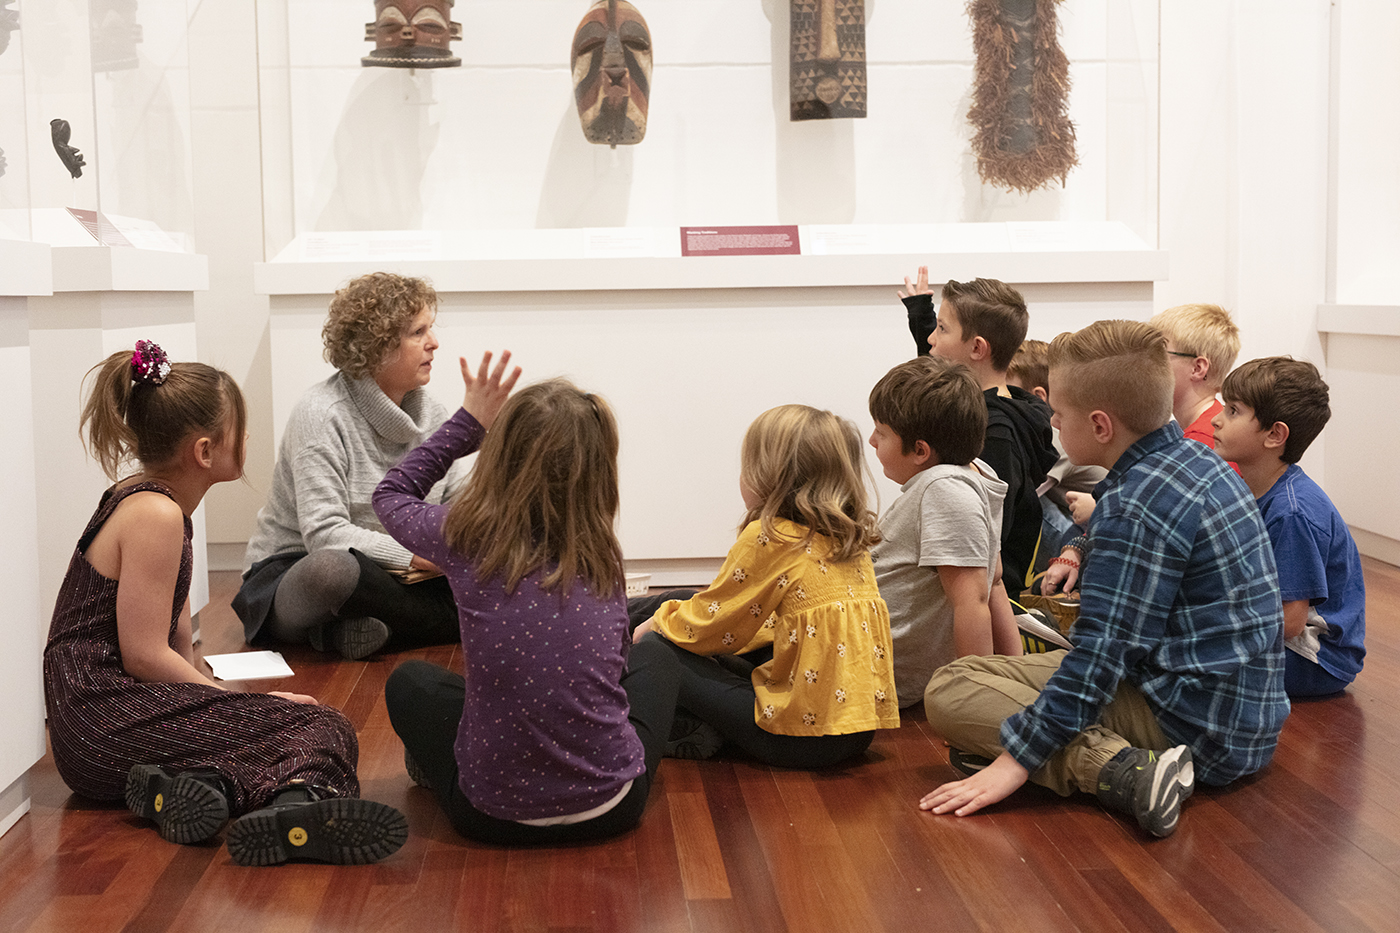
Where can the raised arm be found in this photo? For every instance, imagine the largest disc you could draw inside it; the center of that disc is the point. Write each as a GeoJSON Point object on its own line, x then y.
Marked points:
{"type": "Point", "coordinates": [398, 500]}
{"type": "Point", "coordinates": [918, 302]}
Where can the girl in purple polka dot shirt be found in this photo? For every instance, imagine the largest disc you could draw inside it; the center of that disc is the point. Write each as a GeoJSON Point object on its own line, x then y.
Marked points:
{"type": "Point", "coordinates": [552, 733]}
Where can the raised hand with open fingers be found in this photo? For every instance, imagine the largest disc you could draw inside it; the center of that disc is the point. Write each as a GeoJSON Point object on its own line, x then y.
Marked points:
{"type": "Point", "coordinates": [488, 390]}
{"type": "Point", "coordinates": [918, 287]}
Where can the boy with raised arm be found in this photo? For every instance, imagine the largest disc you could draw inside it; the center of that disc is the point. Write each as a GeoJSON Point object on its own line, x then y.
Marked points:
{"type": "Point", "coordinates": [1177, 666]}
{"type": "Point", "coordinates": [981, 324]}
{"type": "Point", "coordinates": [1274, 408]}
{"type": "Point", "coordinates": [936, 562]}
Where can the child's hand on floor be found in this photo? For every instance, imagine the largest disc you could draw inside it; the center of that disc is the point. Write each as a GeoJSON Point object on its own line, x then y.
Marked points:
{"type": "Point", "coordinates": [988, 786]}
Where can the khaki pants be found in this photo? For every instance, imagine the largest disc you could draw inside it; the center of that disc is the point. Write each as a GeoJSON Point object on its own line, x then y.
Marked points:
{"type": "Point", "coordinates": [968, 700]}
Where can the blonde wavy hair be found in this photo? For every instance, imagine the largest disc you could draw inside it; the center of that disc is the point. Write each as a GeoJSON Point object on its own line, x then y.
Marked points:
{"type": "Point", "coordinates": [368, 318]}
{"type": "Point", "coordinates": [543, 493]}
{"type": "Point", "coordinates": [808, 466]}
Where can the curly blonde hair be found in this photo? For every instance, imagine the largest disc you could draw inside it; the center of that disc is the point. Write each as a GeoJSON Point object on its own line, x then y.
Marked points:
{"type": "Point", "coordinates": [368, 317]}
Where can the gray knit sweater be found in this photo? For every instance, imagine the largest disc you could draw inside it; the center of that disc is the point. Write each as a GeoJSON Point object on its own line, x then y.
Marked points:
{"type": "Point", "coordinates": [342, 437]}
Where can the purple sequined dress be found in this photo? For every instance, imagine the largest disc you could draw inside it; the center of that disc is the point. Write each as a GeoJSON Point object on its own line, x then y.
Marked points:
{"type": "Point", "coordinates": [102, 720]}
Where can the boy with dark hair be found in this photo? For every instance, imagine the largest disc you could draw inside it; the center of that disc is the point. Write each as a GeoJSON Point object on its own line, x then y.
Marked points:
{"type": "Point", "coordinates": [1177, 666]}
{"type": "Point", "coordinates": [936, 562]}
{"type": "Point", "coordinates": [981, 324]}
{"type": "Point", "coordinates": [1274, 408]}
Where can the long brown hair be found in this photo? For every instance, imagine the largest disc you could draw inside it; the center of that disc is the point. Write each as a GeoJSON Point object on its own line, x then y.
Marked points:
{"type": "Point", "coordinates": [544, 491]}
{"type": "Point", "coordinates": [808, 466]}
{"type": "Point", "coordinates": [128, 420]}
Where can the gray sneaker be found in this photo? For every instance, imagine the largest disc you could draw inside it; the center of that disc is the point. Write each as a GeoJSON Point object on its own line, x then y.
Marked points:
{"type": "Point", "coordinates": [1149, 785]}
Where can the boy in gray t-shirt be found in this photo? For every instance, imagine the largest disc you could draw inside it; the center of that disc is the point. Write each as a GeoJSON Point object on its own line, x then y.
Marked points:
{"type": "Point", "coordinates": [938, 565]}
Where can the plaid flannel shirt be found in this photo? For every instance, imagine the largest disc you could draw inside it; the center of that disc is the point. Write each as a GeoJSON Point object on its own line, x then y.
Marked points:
{"type": "Point", "coordinates": [1180, 597]}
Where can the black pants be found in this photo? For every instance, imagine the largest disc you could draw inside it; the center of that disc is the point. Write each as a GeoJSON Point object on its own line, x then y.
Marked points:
{"type": "Point", "coordinates": [425, 707]}
{"type": "Point", "coordinates": [721, 693]}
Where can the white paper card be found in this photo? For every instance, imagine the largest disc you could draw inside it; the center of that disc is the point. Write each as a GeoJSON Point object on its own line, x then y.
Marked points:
{"type": "Point", "coordinates": [248, 665]}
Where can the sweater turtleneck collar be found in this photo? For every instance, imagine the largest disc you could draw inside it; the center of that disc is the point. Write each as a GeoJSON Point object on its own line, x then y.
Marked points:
{"type": "Point", "coordinates": [402, 425]}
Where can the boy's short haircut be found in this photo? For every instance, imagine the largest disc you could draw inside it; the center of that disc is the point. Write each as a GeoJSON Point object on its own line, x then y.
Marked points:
{"type": "Point", "coordinates": [1202, 330]}
{"type": "Point", "coordinates": [1031, 365]}
{"type": "Point", "coordinates": [1119, 367]}
{"type": "Point", "coordinates": [936, 401]}
{"type": "Point", "coordinates": [992, 310]}
{"type": "Point", "coordinates": [1280, 388]}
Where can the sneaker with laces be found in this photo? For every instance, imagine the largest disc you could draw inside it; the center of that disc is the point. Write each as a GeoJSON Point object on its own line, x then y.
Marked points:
{"type": "Point", "coordinates": [1149, 785]}
{"type": "Point", "coordinates": [186, 807]}
{"type": "Point", "coordinates": [692, 737]}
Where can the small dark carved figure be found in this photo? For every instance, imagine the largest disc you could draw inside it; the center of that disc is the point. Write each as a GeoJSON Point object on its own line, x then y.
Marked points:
{"type": "Point", "coordinates": [115, 34]}
{"type": "Point", "coordinates": [611, 61]}
{"type": "Point", "coordinates": [412, 34]}
{"type": "Point", "coordinates": [1023, 137]}
{"type": "Point", "coordinates": [9, 22]}
{"type": "Point", "coordinates": [828, 59]}
{"type": "Point", "coordinates": [59, 130]}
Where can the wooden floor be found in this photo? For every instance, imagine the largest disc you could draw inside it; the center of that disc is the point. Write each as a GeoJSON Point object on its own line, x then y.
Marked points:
{"type": "Point", "coordinates": [1313, 843]}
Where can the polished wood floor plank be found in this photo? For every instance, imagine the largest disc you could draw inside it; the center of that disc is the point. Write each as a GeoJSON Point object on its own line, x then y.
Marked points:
{"type": "Point", "coordinates": [702, 865]}
{"type": "Point", "coordinates": [1311, 844]}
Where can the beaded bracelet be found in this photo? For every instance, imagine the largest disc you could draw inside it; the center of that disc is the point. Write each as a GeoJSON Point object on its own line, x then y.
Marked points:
{"type": "Point", "coordinates": [1064, 560]}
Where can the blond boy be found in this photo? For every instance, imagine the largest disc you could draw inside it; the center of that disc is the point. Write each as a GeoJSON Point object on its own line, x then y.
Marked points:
{"type": "Point", "coordinates": [1202, 343]}
{"type": "Point", "coordinates": [1177, 667]}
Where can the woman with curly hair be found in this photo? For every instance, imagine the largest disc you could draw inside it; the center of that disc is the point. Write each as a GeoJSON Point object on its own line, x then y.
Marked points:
{"type": "Point", "coordinates": [319, 567]}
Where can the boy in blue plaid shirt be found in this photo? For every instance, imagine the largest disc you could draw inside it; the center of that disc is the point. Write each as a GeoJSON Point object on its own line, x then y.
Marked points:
{"type": "Point", "coordinates": [1177, 667]}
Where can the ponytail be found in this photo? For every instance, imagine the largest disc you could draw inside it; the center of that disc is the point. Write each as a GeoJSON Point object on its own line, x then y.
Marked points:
{"type": "Point", "coordinates": [141, 408]}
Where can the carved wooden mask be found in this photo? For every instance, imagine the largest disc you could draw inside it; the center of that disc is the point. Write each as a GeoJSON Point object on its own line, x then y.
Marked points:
{"type": "Point", "coordinates": [412, 34]}
{"type": "Point", "coordinates": [828, 59]}
{"type": "Point", "coordinates": [611, 61]}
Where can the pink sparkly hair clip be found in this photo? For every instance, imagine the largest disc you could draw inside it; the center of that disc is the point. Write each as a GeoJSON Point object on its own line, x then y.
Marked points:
{"type": "Point", "coordinates": [149, 364]}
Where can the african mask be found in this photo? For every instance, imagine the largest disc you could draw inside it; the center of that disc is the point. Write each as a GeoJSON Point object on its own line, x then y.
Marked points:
{"type": "Point", "coordinates": [828, 59]}
{"type": "Point", "coordinates": [612, 73]}
{"type": "Point", "coordinates": [412, 34]}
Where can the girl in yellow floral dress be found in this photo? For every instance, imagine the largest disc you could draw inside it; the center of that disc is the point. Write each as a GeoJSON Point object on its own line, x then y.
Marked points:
{"type": "Point", "coordinates": [799, 578]}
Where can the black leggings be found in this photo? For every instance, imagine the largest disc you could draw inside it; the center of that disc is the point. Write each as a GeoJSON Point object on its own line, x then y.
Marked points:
{"type": "Point", "coordinates": [425, 707]}
{"type": "Point", "coordinates": [722, 695]}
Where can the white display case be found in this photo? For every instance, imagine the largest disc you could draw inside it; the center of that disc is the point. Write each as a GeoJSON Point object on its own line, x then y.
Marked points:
{"type": "Point", "coordinates": [689, 350]}
{"type": "Point", "coordinates": [24, 276]}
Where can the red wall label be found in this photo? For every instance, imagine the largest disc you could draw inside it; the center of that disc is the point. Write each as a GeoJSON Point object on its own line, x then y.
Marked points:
{"type": "Point", "coordinates": [740, 241]}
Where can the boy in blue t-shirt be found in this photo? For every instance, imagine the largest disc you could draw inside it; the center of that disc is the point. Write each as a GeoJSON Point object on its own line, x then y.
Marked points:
{"type": "Point", "coordinates": [1274, 408]}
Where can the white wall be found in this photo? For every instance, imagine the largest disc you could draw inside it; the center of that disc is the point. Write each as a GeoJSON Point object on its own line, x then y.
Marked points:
{"type": "Point", "coordinates": [1367, 168]}
{"type": "Point", "coordinates": [1244, 138]}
